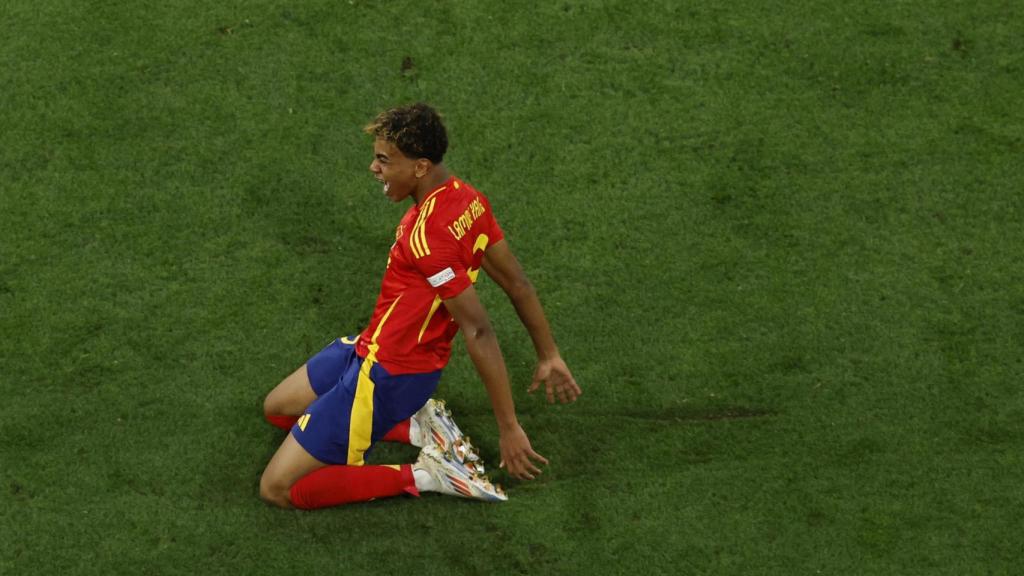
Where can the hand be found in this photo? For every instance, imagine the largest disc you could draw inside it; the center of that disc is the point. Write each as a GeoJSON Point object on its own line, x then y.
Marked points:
{"type": "Point", "coordinates": [557, 380]}
{"type": "Point", "coordinates": [517, 454]}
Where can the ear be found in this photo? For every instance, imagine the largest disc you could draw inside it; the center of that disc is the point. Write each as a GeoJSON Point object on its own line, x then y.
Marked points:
{"type": "Point", "coordinates": [422, 167]}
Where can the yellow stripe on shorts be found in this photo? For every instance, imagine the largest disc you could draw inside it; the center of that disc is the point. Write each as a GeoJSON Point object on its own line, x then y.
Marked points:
{"type": "Point", "coordinates": [360, 424]}
{"type": "Point", "coordinates": [360, 421]}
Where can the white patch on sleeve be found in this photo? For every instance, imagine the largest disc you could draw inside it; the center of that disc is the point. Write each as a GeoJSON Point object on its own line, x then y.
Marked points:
{"type": "Point", "coordinates": [441, 277]}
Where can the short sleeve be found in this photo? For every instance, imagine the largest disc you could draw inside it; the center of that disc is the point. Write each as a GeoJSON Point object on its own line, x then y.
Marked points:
{"type": "Point", "coordinates": [494, 232]}
{"type": "Point", "coordinates": [440, 262]}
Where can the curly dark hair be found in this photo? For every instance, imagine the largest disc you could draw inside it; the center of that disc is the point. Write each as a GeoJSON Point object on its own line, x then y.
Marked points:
{"type": "Point", "coordinates": [416, 130]}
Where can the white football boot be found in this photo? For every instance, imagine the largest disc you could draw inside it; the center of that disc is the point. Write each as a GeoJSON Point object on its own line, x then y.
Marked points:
{"type": "Point", "coordinates": [456, 478]}
{"type": "Point", "coordinates": [436, 426]}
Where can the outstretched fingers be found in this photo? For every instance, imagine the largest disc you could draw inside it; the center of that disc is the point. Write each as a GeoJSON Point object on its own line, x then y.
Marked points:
{"type": "Point", "coordinates": [565, 387]}
{"type": "Point", "coordinates": [522, 466]}
{"type": "Point", "coordinates": [535, 384]}
{"type": "Point", "coordinates": [572, 389]}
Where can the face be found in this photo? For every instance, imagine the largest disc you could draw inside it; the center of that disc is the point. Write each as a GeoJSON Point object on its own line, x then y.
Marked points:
{"type": "Point", "coordinates": [395, 170]}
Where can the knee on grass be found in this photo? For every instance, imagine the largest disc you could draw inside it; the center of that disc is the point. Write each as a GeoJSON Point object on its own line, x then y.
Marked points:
{"type": "Point", "coordinates": [275, 493]}
{"type": "Point", "coordinates": [271, 407]}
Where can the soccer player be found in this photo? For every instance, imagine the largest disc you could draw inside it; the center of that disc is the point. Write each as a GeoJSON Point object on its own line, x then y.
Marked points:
{"type": "Point", "coordinates": [377, 386]}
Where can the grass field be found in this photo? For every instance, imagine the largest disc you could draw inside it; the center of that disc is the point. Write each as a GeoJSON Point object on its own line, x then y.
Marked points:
{"type": "Point", "coordinates": [780, 246]}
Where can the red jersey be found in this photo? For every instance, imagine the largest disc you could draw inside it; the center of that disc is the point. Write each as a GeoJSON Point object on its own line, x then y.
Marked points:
{"type": "Point", "coordinates": [438, 250]}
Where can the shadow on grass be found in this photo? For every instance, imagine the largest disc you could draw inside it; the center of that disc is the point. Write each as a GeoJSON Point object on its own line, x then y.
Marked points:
{"type": "Point", "coordinates": [696, 413]}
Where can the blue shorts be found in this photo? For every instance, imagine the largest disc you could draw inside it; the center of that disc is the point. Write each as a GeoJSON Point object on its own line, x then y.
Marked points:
{"type": "Point", "coordinates": [357, 403]}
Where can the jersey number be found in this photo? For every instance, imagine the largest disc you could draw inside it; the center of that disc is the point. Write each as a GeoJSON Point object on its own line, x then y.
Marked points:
{"type": "Point", "coordinates": [480, 246]}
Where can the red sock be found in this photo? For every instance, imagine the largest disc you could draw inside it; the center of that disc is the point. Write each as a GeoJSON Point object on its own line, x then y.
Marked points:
{"type": "Point", "coordinates": [400, 433]}
{"type": "Point", "coordinates": [282, 422]}
{"type": "Point", "coordinates": [334, 485]}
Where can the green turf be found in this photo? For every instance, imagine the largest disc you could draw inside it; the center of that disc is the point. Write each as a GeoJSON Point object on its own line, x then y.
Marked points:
{"type": "Point", "coordinates": [780, 246]}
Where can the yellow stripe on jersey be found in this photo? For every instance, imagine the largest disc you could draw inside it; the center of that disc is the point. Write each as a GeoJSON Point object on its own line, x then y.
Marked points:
{"type": "Point", "coordinates": [414, 237]}
{"type": "Point", "coordinates": [481, 245]}
{"type": "Point", "coordinates": [434, 193]}
{"type": "Point", "coordinates": [418, 242]}
{"type": "Point", "coordinates": [421, 233]}
{"type": "Point", "coordinates": [433, 308]}
{"type": "Point", "coordinates": [418, 238]}
{"type": "Point", "coordinates": [360, 422]}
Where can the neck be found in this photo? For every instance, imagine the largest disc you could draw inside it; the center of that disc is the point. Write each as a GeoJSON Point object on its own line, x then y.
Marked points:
{"type": "Point", "coordinates": [430, 182]}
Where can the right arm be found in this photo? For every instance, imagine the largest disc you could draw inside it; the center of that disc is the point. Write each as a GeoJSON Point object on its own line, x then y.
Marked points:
{"type": "Point", "coordinates": [482, 344]}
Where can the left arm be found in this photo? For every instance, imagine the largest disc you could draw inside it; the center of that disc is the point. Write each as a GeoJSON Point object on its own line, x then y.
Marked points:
{"type": "Point", "coordinates": [503, 267]}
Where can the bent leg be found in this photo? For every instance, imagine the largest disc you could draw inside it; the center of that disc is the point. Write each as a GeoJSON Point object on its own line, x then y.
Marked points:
{"type": "Point", "coordinates": [290, 397]}
{"type": "Point", "coordinates": [289, 463]}
{"type": "Point", "coordinates": [294, 478]}
{"type": "Point", "coordinates": [336, 485]}
{"type": "Point", "coordinates": [400, 433]}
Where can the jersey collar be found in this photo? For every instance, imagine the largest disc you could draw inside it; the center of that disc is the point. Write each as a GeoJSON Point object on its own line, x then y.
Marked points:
{"type": "Point", "coordinates": [449, 182]}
